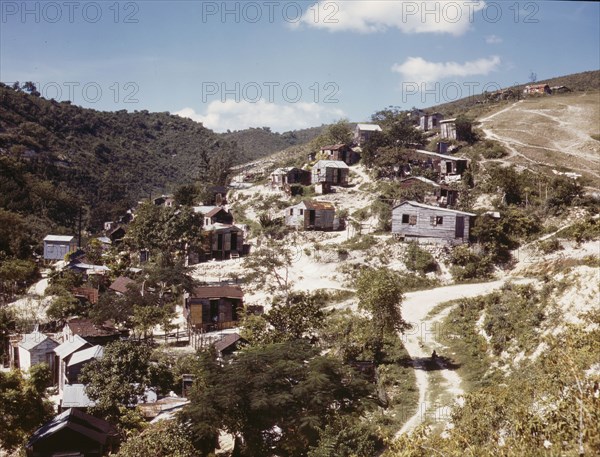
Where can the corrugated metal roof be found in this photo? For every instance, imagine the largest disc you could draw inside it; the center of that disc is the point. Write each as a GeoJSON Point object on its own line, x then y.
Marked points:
{"type": "Point", "coordinates": [369, 127]}
{"type": "Point", "coordinates": [217, 292]}
{"type": "Point", "coordinates": [74, 396]}
{"type": "Point", "coordinates": [330, 164]}
{"type": "Point", "coordinates": [422, 179]}
{"type": "Point", "coordinates": [95, 352]}
{"type": "Point", "coordinates": [32, 340]}
{"type": "Point", "coordinates": [85, 327]}
{"type": "Point", "coordinates": [315, 205]}
{"type": "Point", "coordinates": [70, 346]}
{"type": "Point", "coordinates": [121, 284]}
{"type": "Point", "coordinates": [436, 208]}
{"type": "Point", "coordinates": [204, 209]}
{"type": "Point", "coordinates": [227, 341]}
{"type": "Point", "coordinates": [443, 156]}
{"type": "Point", "coordinates": [93, 428]}
{"type": "Point", "coordinates": [61, 238]}
{"type": "Point", "coordinates": [333, 147]}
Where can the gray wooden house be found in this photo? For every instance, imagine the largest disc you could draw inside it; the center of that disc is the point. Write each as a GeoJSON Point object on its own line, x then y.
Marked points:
{"type": "Point", "coordinates": [213, 214]}
{"type": "Point", "coordinates": [333, 172]}
{"type": "Point", "coordinates": [444, 164]}
{"type": "Point", "coordinates": [33, 349]}
{"type": "Point", "coordinates": [210, 308]}
{"type": "Point", "coordinates": [430, 121]}
{"type": "Point", "coordinates": [311, 215]}
{"type": "Point", "coordinates": [57, 246]}
{"type": "Point", "coordinates": [417, 221]}
{"type": "Point", "coordinates": [363, 132]}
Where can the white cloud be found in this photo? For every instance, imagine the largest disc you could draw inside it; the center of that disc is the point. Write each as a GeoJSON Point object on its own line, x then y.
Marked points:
{"type": "Point", "coordinates": [493, 39]}
{"type": "Point", "coordinates": [232, 115]}
{"type": "Point", "coordinates": [418, 70]}
{"type": "Point", "coordinates": [408, 16]}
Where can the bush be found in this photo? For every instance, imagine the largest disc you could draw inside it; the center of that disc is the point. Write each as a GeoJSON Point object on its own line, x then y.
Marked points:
{"type": "Point", "coordinates": [467, 265]}
{"type": "Point", "coordinates": [549, 246]}
{"type": "Point", "coordinates": [419, 260]}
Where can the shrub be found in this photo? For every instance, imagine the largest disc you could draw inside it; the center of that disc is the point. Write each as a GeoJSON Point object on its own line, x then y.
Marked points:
{"type": "Point", "coordinates": [467, 265]}
{"type": "Point", "coordinates": [419, 260]}
{"type": "Point", "coordinates": [549, 246]}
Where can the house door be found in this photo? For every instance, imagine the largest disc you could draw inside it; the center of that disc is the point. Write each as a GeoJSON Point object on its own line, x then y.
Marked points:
{"type": "Point", "coordinates": [234, 242]}
{"type": "Point", "coordinates": [460, 227]}
{"type": "Point", "coordinates": [214, 311]}
{"type": "Point", "coordinates": [311, 218]}
{"type": "Point", "coordinates": [220, 242]}
{"type": "Point", "coordinates": [448, 167]}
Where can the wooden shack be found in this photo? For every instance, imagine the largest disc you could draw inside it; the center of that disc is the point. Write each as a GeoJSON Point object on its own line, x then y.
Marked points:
{"type": "Point", "coordinates": [225, 241]}
{"type": "Point", "coordinates": [416, 221]}
{"type": "Point", "coordinates": [442, 163]}
{"type": "Point", "coordinates": [282, 177]}
{"type": "Point", "coordinates": [430, 121]}
{"type": "Point", "coordinates": [333, 172]}
{"type": "Point", "coordinates": [363, 132]}
{"type": "Point", "coordinates": [341, 152]}
{"type": "Point", "coordinates": [210, 308]}
{"type": "Point", "coordinates": [310, 215]}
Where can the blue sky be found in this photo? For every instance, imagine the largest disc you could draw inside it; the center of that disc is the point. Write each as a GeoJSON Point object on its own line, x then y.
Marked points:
{"type": "Point", "coordinates": [288, 65]}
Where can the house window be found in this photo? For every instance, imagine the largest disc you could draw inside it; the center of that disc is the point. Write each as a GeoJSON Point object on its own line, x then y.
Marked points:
{"type": "Point", "coordinates": [405, 218]}
{"type": "Point", "coordinates": [291, 212]}
{"type": "Point", "coordinates": [436, 220]}
{"type": "Point", "coordinates": [301, 212]}
{"type": "Point", "coordinates": [412, 220]}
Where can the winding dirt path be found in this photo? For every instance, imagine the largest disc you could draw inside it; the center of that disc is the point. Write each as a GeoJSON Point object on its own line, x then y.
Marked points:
{"type": "Point", "coordinates": [423, 338]}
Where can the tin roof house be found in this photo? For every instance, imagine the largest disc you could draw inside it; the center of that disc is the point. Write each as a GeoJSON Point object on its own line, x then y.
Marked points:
{"type": "Point", "coordinates": [311, 215]}
{"type": "Point", "coordinates": [56, 247]}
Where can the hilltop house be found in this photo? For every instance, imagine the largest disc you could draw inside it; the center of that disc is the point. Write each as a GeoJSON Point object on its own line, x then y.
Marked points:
{"type": "Point", "coordinates": [430, 121]}
{"type": "Point", "coordinates": [73, 433]}
{"type": "Point", "coordinates": [33, 349]}
{"type": "Point", "coordinates": [56, 247]}
{"type": "Point", "coordinates": [412, 220]}
{"type": "Point", "coordinates": [282, 177]}
{"type": "Point", "coordinates": [311, 215]}
{"type": "Point", "coordinates": [537, 89]}
{"type": "Point", "coordinates": [340, 152]}
{"type": "Point", "coordinates": [332, 172]}
{"type": "Point", "coordinates": [363, 132]}
{"type": "Point", "coordinates": [210, 308]}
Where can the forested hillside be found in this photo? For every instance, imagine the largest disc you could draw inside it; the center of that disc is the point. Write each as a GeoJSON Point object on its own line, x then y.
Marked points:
{"type": "Point", "coordinates": [57, 159]}
{"type": "Point", "coordinates": [259, 142]}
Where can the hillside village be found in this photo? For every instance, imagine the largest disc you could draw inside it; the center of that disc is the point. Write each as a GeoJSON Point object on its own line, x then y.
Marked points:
{"type": "Point", "coordinates": [404, 270]}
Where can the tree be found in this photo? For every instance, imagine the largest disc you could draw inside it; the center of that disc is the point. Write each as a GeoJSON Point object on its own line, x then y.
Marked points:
{"type": "Point", "coordinates": [464, 129]}
{"type": "Point", "coordinates": [270, 267]}
{"type": "Point", "coordinates": [379, 292]}
{"type": "Point", "coordinates": [274, 398]}
{"type": "Point", "coordinates": [186, 195]}
{"type": "Point", "coordinates": [163, 439]}
{"type": "Point", "coordinates": [118, 379]}
{"type": "Point", "coordinates": [23, 404]}
{"type": "Point", "coordinates": [64, 306]}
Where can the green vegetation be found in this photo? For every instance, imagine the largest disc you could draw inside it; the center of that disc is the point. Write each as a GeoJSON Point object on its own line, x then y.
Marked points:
{"type": "Point", "coordinates": [419, 260]}
{"type": "Point", "coordinates": [24, 405]}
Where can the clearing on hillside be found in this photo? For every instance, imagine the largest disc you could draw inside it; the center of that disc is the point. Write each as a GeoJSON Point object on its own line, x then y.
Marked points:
{"type": "Point", "coordinates": [553, 131]}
